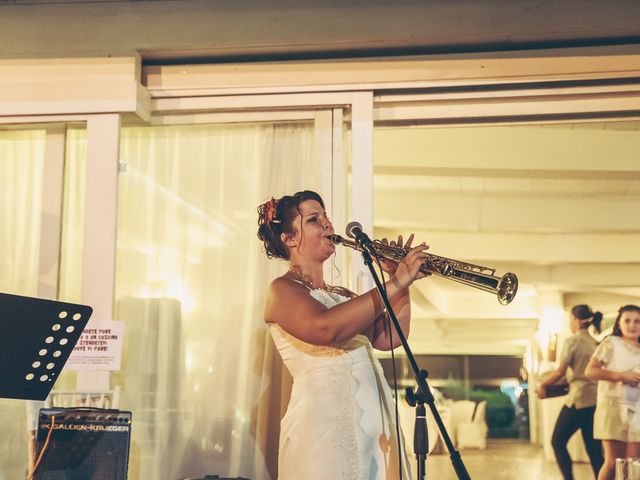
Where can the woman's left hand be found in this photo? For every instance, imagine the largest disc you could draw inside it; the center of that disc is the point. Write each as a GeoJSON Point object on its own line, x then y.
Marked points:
{"type": "Point", "coordinates": [390, 266]}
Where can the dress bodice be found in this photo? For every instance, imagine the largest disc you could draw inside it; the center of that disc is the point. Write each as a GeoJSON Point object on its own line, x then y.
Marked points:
{"type": "Point", "coordinates": [618, 355]}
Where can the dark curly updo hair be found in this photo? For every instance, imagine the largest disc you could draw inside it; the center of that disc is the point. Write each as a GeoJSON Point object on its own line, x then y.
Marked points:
{"type": "Point", "coordinates": [627, 308]}
{"type": "Point", "coordinates": [584, 313]}
{"type": "Point", "coordinates": [275, 217]}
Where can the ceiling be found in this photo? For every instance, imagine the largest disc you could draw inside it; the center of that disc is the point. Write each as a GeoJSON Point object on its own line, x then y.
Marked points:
{"type": "Point", "coordinates": [201, 30]}
{"type": "Point", "coordinates": [557, 204]}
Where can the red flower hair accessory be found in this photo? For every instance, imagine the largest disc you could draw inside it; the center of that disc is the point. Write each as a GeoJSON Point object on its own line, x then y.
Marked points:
{"type": "Point", "coordinates": [270, 210]}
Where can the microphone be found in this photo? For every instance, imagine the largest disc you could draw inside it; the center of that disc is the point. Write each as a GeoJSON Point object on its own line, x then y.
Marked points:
{"type": "Point", "coordinates": [354, 230]}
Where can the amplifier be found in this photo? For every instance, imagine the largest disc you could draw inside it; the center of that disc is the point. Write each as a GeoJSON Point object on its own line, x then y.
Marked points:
{"type": "Point", "coordinates": [86, 444]}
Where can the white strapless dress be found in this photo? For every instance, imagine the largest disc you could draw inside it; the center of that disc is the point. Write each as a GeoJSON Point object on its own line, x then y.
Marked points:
{"type": "Point", "coordinates": [340, 422]}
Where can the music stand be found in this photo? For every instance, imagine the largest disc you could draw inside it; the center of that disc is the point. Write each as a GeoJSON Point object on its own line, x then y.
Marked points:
{"type": "Point", "coordinates": [37, 337]}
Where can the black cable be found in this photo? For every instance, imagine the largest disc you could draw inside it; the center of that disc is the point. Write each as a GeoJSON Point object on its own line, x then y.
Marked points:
{"type": "Point", "coordinates": [387, 324]}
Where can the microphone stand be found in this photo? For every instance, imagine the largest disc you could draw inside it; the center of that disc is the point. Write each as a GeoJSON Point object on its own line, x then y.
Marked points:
{"type": "Point", "coordinates": [423, 387]}
{"type": "Point", "coordinates": [420, 431]}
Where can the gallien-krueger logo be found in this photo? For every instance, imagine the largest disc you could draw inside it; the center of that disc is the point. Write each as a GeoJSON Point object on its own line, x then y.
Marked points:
{"type": "Point", "coordinates": [87, 428]}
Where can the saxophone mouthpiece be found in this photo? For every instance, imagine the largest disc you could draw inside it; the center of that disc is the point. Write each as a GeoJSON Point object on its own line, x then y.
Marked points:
{"type": "Point", "coordinates": [336, 239]}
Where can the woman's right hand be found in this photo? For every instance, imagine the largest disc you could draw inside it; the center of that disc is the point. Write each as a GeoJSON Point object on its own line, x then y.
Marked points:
{"type": "Point", "coordinates": [541, 391]}
{"type": "Point", "coordinates": [630, 377]}
{"type": "Point", "coordinates": [390, 266]}
{"type": "Point", "coordinates": [408, 269]}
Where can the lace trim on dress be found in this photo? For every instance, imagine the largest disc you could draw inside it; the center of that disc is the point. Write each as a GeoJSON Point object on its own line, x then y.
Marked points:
{"type": "Point", "coordinates": [344, 391]}
{"type": "Point", "coordinates": [345, 430]}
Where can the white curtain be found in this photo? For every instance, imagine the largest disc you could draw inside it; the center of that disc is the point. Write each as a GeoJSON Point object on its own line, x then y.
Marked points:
{"type": "Point", "coordinates": [69, 285]}
{"type": "Point", "coordinates": [199, 371]}
{"type": "Point", "coordinates": [21, 168]}
{"type": "Point", "coordinates": [21, 177]}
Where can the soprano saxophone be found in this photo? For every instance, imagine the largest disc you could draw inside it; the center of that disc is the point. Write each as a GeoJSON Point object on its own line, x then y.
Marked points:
{"type": "Point", "coordinates": [476, 276]}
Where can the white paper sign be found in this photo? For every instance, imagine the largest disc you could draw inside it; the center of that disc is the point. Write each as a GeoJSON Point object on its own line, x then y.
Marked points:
{"type": "Point", "coordinates": [99, 347]}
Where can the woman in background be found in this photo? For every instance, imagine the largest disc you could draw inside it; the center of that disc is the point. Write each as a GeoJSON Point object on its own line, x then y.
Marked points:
{"type": "Point", "coordinates": [340, 422]}
{"type": "Point", "coordinates": [579, 407]}
{"type": "Point", "coordinates": [616, 366]}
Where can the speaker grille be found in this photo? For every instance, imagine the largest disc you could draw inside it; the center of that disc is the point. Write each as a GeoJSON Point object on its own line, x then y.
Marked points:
{"type": "Point", "coordinates": [86, 444]}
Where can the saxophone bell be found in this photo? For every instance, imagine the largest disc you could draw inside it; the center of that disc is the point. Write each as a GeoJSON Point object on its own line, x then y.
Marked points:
{"type": "Point", "coordinates": [476, 276]}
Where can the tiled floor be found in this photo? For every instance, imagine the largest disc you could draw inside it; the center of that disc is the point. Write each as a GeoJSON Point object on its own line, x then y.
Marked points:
{"type": "Point", "coordinates": [503, 460]}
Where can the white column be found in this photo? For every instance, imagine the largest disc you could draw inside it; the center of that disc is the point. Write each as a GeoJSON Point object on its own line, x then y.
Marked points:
{"type": "Point", "coordinates": [99, 250]}
{"type": "Point", "coordinates": [323, 130]}
{"type": "Point", "coordinates": [362, 179]}
{"type": "Point", "coordinates": [534, 411]}
{"type": "Point", "coordinates": [51, 223]}
{"type": "Point", "coordinates": [339, 198]}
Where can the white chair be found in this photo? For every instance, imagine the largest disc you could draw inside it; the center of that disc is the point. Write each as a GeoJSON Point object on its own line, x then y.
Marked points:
{"type": "Point", "coordinates": [444, 410]}
{"type": "Point", "coordinates": [473, 434]}
{"type": "Point", "coordinates": [461, 412]}
{"type": "Point", "coordinates": [96, 399]}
